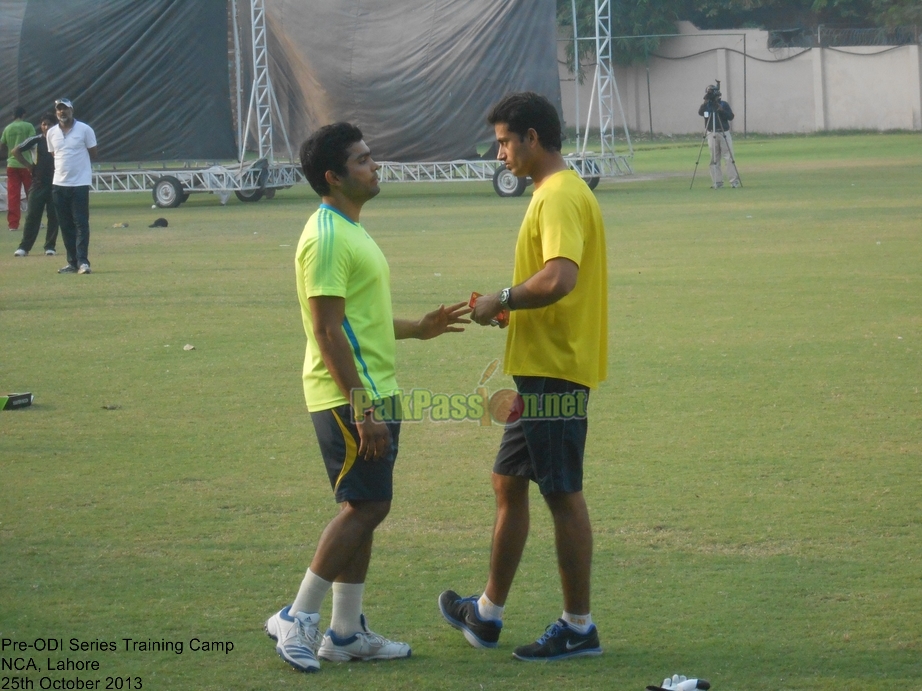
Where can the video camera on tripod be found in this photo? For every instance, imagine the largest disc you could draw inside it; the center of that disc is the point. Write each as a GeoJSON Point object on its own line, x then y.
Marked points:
{"type": "Point", "coordinates": [717, 115]}
{"type": "Point", "coordinates": [712, 94]}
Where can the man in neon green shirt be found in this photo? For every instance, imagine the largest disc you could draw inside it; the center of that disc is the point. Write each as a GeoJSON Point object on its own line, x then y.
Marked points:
{"type": "Point", "coordinates": [351, 392]}
{"type": "Point", "coordinates": [556, 351]}
{"type": "Point", "coordinates": [18, 176]}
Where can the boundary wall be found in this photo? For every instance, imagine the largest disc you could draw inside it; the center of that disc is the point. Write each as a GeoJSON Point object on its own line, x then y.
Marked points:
{"type": "Point", "coordinates": [782, 90]}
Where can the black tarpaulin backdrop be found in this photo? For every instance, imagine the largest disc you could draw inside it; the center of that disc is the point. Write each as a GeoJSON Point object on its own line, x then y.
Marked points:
{"type": "Point", "coordinates": [150, 77]}
{"type": "Point", "coordinates": [418, 76]}
{"type": "Point", "coordinates": [155, 78]}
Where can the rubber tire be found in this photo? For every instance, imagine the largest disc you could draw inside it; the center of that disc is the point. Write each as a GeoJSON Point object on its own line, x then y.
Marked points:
{"type": "Point", "coordinates": [250, 196]}
{"type": "Point", "coordinates": [270, 193]}
{"type": "Point", "coordinates": [257, 194]}
{"type": "Point", "coordinates": [168, 192]}
{"type": "Point", "coordinates": [592, 182]}
{"type": "Point", "coordinates": [506, 184]}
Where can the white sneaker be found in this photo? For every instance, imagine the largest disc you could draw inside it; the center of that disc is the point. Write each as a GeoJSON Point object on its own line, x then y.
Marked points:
{"type": "Point", "coordinates": [364, 645]}
{"type": "Point", "coordinates": [297, 637]}
{"type": "Point", "coordinates": [84, 269]}
{"type": "Point", "coordinates": [50, 253]}
{"type": "Point", "coordinates": [20, 253]}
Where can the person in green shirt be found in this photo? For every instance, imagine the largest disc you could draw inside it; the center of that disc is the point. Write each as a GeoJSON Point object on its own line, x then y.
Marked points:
{"type": "Point", "coordinates": [350, 387]}
{"type": "Point", "coordinates": [18, 176]}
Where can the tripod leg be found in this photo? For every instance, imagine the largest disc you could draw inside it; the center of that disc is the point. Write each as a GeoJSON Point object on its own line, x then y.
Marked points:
{"type": "Point", "coordinates": [698, 159]}
{"type": "Point", "coordinates": [736, 172]}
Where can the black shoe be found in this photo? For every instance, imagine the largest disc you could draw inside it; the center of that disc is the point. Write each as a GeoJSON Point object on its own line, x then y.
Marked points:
{"type": "Point", "coordinates": [461, 612]}
{"type": "Point", "coordinates": [69, 269]}
{"type": "Point", "coordinates": [560, 642]}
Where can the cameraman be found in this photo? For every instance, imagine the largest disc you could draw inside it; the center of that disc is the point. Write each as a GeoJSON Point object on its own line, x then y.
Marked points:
{"type": "Point", "coordinates": [717, 115]}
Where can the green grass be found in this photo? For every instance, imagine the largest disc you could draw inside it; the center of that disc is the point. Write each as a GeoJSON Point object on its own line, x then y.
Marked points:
{"type": "Point", "coordinates": [752, 465]}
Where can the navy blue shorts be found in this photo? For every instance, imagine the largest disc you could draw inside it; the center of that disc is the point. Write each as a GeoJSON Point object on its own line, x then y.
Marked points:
{"type": "Point", "coordinates": [354, 478]}
{"type": "Point", "coordinates": [547, 442]}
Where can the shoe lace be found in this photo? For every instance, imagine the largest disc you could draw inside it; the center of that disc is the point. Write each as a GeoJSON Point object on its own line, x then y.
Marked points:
{"type": "Point", "coordinates": [307, 634]}
{"type": "Point", "coordinates": [550, 632]}
{"type": "Point", "coordinates": [374, 640]}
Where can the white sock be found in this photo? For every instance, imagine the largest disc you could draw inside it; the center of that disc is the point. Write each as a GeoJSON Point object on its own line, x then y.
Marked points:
{"type": "Point", "coordinates": [347, 608]}
{"type": "Point", "coordinates": [581, 623]}
{"type": "Point", "coordinates": [487, 610]}
{"type": "Point", "coordinates": [310, 595]}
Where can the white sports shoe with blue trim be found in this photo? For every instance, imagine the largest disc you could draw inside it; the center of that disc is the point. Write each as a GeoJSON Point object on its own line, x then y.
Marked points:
{"type": "Point", "coordinates": [363, 645]}
{"type": "Point", "coordinates": [297, 637]}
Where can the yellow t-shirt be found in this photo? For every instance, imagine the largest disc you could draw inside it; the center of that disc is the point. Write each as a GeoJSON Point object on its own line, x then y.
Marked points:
{"type": "Point", "coordinates": [569, 339]}
{"type": "Point", "coordinates": [337, 258]}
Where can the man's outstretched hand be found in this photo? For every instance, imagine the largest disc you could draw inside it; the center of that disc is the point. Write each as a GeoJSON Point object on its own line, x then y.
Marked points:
{"type": "Point", "coordinates": [443, 320]}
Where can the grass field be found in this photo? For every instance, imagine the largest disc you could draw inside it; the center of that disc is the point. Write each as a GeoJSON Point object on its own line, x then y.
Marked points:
{"type": "Point", "coordinates": [753, 465]}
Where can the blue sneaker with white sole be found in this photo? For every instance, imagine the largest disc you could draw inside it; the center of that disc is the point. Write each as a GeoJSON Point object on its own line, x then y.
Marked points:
{"type": "Point", "coordinates": [461, 612]}
{"type": "Point", "coordinates": [560, 642]}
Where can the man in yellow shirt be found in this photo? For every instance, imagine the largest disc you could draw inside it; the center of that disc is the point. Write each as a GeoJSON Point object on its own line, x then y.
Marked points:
{"type": "Point", "coordinates": [556, 351]}
{"type": "Point", "coordinates": [351, 392]}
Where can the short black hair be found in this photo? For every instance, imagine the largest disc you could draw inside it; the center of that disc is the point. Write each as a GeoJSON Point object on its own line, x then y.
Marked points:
{"type": "Point", "coordinates": [49, 117]}
{"type": "Point", "coordinates": [327, 149]}
{"type": "Point", "coordinates": [18, 112]}
{"type": "Point", "coordinates": [525, 111]}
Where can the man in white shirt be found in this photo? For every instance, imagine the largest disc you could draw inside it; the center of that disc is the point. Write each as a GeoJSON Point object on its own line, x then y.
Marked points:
{"type": "Point", "coordinates": [73, 145]}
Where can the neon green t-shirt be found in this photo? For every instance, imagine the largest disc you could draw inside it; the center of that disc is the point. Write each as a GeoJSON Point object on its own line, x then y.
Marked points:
{"type": "Point", "coordinates": [569, 339]}
{"type": "Point", "coordinates": [337, 258]}
{"type": "Point", "coordinates": [13, 135]}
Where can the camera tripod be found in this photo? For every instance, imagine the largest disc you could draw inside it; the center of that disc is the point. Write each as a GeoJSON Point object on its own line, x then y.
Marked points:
{"type": "Point", "coordinates": [712, 122]}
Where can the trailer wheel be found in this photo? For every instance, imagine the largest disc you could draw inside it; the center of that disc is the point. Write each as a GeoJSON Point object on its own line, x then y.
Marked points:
{"type": "Point", "coordinates": [168, 192]}
{"type": "Point", "coordinates": [249, 195]}
{"type": "Point", "coordinates": [270, 193]}
{"type": "Point", "coordinates": [506, 184]}
{"type": "Point", "coordinates": [592, 182]}
{"type": "Point", "coordinates": [262, 165]}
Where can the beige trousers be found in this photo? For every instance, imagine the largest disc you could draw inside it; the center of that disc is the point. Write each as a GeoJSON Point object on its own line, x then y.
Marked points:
{"type": "Point", "coordinates": [721, 145]}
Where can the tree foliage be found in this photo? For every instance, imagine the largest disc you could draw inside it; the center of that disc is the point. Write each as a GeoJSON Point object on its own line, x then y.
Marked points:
{"type": "Point", "coordinates": [651, 17]}
{"type": "Point", "coordinates": [629, 19]}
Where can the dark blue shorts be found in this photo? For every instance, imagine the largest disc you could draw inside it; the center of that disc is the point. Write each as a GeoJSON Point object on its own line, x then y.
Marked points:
{"type": "Point", "coordinates": [546, 443]}
{"type": "Point", "coordinates": [354, 478]}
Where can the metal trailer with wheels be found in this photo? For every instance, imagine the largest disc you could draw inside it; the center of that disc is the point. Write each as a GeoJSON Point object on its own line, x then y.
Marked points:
{"type": "Point", "coordinates": [591, 167]}
{"type": "Point", "coordinates": [170, 187]}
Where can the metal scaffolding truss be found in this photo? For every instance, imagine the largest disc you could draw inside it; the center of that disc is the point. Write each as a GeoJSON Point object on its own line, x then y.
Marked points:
{"type": "Point", "coordinates": [249, 180]}
{"type": "Point", "coordinates": [593, 166]}
{"type": "Point", "coordinates": [262, 95]}
{"type": "Point", "coordinates": [262, 84]}
{"type": "Point", "coordinates": [252, 180]}
{"type": "Point", "coordinates": [604, 76]}
{"type": "Point", "coordinates": [604, 88]}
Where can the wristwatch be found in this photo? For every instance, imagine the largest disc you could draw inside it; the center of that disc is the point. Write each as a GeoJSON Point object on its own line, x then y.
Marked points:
{"type": "Point", "coordinates": [505, 295]}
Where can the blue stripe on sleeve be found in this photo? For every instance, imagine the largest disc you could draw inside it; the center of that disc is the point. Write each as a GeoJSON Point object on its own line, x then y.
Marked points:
{"type": "Point", "coordinates": [350, 334]}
